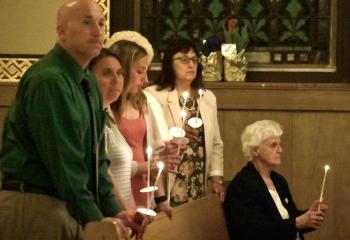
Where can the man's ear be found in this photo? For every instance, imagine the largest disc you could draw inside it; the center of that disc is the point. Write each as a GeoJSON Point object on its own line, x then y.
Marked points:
{"type": "Point", "coordinates": [60, 32]}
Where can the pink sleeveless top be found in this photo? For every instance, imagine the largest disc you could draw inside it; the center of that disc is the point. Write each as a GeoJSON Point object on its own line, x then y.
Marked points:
{"type": "Point", "coordinates": [134, 132]}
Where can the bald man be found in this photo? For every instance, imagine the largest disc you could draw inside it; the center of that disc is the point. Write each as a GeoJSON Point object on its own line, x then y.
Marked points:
{"type": "Point", "coordinates": [52, 137]}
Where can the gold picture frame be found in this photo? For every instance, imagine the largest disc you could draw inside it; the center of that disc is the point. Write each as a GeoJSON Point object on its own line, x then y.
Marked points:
{"type": "Point", "coordinates": [13, 68]}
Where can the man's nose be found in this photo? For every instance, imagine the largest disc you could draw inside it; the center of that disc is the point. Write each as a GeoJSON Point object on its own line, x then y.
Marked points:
{"type": "Point", "coordinates": [97, 29]}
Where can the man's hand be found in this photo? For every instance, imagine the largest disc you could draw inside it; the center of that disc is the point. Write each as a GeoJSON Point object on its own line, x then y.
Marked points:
{"type": "Point", "coordinates": [120, 229]}
{"type": "Point", "coordinates": [134, 220]}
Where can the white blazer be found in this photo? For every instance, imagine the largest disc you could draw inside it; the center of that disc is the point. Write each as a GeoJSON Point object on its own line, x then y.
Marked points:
{"type": "Point", "coordinates": [169, 100]}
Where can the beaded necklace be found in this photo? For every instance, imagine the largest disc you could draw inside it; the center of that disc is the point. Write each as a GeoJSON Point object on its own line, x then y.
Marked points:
{"type": "Point", "coordinates": [189, 100]}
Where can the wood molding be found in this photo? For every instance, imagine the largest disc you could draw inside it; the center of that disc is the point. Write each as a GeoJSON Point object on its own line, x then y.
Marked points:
{"type": "Point", "coordinates": [281, 96]}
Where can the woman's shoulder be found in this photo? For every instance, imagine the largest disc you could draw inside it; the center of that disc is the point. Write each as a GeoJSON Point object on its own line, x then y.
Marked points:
{"type": "Point", "coordinates": [160, 95]}
{"type": "Point", "coordinates": [209, 96]}
{"type": "Point", "coordinates": [154, 90]}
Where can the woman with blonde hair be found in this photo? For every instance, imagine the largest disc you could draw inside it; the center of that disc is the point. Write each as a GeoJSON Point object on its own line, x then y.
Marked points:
{"type": "Point", "coordinates": [135, 118]}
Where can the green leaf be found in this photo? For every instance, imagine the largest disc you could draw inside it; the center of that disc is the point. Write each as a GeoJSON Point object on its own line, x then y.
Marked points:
{"type": "Point", "coordinates": [302, 36]}
{"type": "Point", "coordinates": [294, 8]}
{"type": "Point", "coordinates": [285, 36]}
{"type": "Point", "coordinates": [244, 38]}
{"type": "Point", "coordinates": [167, 35]}
{"type": "Point", "coordinates": [170, 23]}
{"type": "Point", "coordinates": [262, 36]}
{"type": "Point", "coordinates": [221, 23]}
{"type": "Point", "coordinates": [254, 8]}
{"type": "Point", "coordinates": [216, 8]}
{"type": "Point", "coordinates": [300, 23]}
{"type": "Point", "coordinates": [176, 7]}
{"type": "Point", "coordinates": [248, 23]}
{"type": "Point", "coordinates": [288, 24]}
{"type": "Point", "coordinates": [206, 35]}
{"type": "Point", "coordinates": [182, 23]}
{"type": "Point", "coordinates": [260, 24]}
{"type": "Point", "coordinates": [209, 24]}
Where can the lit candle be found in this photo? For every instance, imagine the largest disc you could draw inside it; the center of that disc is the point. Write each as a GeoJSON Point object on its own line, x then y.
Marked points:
{"type": "Point", "coordinates": [160, 169]}
{"type": "Point", "coordinates": [200, 92]}
{"type": "Point", "coordinates": [149, 154]}
{"type": "Point", "coordinates": [168, 187]}
{"type": "Point", "coordinates": [183, 116]}
{"type": "Point", "coordinates": [326, 168]}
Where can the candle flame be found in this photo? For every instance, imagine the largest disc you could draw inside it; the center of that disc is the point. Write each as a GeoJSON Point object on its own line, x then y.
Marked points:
{"type": "Point", "coordinates": [326, 168]}
{"type": "Point", "coordinates": [160, 166]}
{"type": "Point", "coordinates": [200, 92]}
{"type": "Point", "coordinates": [185, 95]}
{"type": "Point", "coordinates": [149, 151]}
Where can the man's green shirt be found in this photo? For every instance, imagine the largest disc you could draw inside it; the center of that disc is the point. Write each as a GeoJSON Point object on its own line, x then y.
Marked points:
{"type": "Point", "coordinates": [47, 136]}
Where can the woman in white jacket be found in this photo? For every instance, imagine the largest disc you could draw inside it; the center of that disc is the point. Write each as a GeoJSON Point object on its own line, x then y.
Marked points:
{"type": "Point", "coordinates": [203, 159]}
{"type": "Point", "coordinates": [132, 125]}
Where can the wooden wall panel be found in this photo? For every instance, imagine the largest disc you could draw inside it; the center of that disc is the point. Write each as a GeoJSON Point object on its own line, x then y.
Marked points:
{"type": "Point", "coordinates": [310, 140]}
{"type": "Point", "coordinates": [316, 122]}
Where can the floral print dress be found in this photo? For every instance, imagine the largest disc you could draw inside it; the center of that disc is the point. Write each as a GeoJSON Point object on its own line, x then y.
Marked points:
{"type": "Point", "coordinates": [189, 180]}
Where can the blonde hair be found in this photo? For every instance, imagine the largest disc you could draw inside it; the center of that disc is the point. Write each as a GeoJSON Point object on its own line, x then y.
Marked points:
{"type": "Point", "coordinates": [254, 134]}
{"type": "Point", "coordinates": [130, 46]}
{"type": "Point", "coordinates": [134, 37]}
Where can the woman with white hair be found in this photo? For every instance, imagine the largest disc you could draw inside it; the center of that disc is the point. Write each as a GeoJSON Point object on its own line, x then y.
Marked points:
{"type": "Point", "coordinates": [259, 204]}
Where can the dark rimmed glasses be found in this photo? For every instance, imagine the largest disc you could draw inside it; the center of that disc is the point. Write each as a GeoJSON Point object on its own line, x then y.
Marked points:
{"type": "Point", "coordinates": [187, 60]}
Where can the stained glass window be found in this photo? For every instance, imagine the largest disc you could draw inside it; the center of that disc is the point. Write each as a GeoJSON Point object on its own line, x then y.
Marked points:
{"type": "Point", "coordinates": [281, 32]}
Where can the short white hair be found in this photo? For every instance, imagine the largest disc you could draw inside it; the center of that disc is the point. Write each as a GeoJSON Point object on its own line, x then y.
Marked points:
{"type": "Point", "coordinates": [131, 36]}
{"type": "Point", "coordinates": [254, 134]}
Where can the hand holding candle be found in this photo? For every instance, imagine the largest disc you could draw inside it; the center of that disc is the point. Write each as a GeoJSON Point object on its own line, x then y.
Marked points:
{"type": "Point", "coordinates": [326, 168]}
{"type": "Point", "coordinates": [160, 169]}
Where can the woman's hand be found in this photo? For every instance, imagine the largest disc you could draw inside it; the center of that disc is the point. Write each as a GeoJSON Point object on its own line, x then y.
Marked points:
{"type": "Point", "coordinates": [192, 134]}
{"type": "Point", "coordinates": [170, 156]}
{"type": "Point", "coordinates": [216, 183]}
{"type": "Point", "coordinates": [164, 207]}
{"type": "Point", "coordinates": [319, 206]}
{"type": "Point", "coordinates": [312, 218]}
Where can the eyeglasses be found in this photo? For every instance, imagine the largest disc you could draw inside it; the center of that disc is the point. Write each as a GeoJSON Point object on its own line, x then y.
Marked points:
{"type": "Point", "coordinates": [187, 60]}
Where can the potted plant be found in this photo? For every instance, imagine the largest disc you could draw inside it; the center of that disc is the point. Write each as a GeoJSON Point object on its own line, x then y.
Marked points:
{"type": "Point", "coordinates": [236, 41]}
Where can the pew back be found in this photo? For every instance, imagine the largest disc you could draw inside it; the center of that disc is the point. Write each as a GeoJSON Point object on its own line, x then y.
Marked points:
{"type": "Point", "coordinates": [201, 219]}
